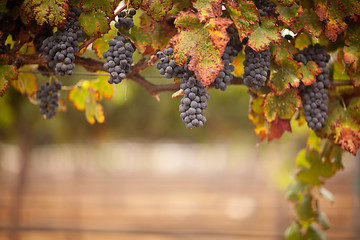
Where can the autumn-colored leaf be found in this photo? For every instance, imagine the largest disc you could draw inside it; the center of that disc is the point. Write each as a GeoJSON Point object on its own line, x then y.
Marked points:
{"type": "Point", "coordinates": [334, 12]}
{"type": "Point", "coordinates": [309, 21]}
{"type": "Point", "coordinates": [93, 110]}
{"type": "Point", "coordinates": [204, 43]}
{"type": "Point", "coordinates": [141, 38]}
{"type": "Point", "coordinates": [207, 9]}
{"type": "Point", "coordinates": [244, 14]}
{"type": "Point", "coordinates": [263, 35]}
{"type": "Point", "coordinates": [156, 8]}
{"type": "Point", "coordinates": [107, 6]}
{"type": "Point", "coordinates": [309, 72]}
{"type": "Point", "coordinates": [283, 106]}
{"type": "Point", "coordinates": [101, 45]}
{"type": "Point", "coordinates": [302, 41]}
{"type": "Point", "coordinates": [7, 73]}
{"type": "Point", "coordinates": [26, 82]}
{"type": "Point", "coordinates": [351, 49]}
{"type": "Point", "coordinates": [283, 52]}
{"type": "Point", "coordinates": [343, 125]}
{"type": "Point", "coordinates": [284, 76]}
{"type": "Point", "coordinates": [288, 14]}
{"type": "Point", "coordinates": [256, 116]}
{"type": "Point", "coordinates": [52, 12]}
{"type": "Point", "coordinates": [94, 22]}
{"type": "Point", "coordinates": [278, 127]}
{"type": "Point", "coordinates": [102, 86]}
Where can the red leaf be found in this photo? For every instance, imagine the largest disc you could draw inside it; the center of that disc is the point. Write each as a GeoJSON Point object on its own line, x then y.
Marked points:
{"type": "Point", "coordinates": [278, 127]}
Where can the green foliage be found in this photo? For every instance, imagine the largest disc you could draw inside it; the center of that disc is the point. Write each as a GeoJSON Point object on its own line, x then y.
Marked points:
{"type": "Point", "coordinates": [263, 35]}
{"type": "Point", "coordinates": [7, 73]}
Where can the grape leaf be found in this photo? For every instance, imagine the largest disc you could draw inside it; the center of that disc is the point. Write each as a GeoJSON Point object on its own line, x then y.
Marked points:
{"type": "Point", "coordinates": [343, 126]}
{"type": "Point", "coordinates": [309, 72]}
{"type": "Point", "coordinates": [305, 209]}
{"type": "Point", "coordinates": [263, 35]}
{"type": "Point", "coordinates": [140, 38]}
{"type": "Point", "coordinates": [293, 232]}
{"type": "Point", "coordinates": [288, 14]}
{"type": "Point", "coordinates": [243, 14]}
{"type": "Point", "coordinates": [77, 95]}
{"type": "Point", "coordinates": [283, 106]}
{"type": "Point", "coordinates": [315, 233]}
{"type": "Point", "coordinates": [7, 73]}
{"type": "Point", "coordinates": [207, 9]}
{"type": "Point", "coordinates": [103, 88]}
{"type": "Point", "coordinates": [94, 22]}
{"type": "Point", "coordinates": [334, 13]}
{"type": "Point", "coordinates": [101, 45]}
{"type": "Point", "coordinates": [351, 49]}
{"type": "Point", "coordinates": [296, 190]}
{"type": "Point", "coordinates": [93, 110]}
{"type": "Point", "coordinates": [256, 116]}
{"type": "Point", "coordinates": [281, 77]}
{"type": "Point", "coordinates": [52, 12]}
{"type": "Point", "coordinates": [156, 8]}
{"type": "Point", "coordinates": [302, 41]}
{"type": "Point", "coordinates": [26, 82]}
{"type": "Point", "coordinates": [284, 51]}
{"type": "Point", "coordinates": [203, 42]}
{"type": "Point", "coordinates": [311, 167]}
{"type": "Point", "coordinates": [309, 21]}
{"type": "Point", "coordinates": [107, 6]}
{"type": "Point", "coordinates": [287, 2]}
{"type": "Point", "coordinates": [278, 127]}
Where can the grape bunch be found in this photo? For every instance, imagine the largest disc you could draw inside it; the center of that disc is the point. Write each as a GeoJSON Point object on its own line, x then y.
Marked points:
{"type": "Point", "coordinates": [49, 97]}
{"type": "Point", "coordinates": [256, 67]}
{"type": "Point", "coordinates": [124, 21]}
{"type": "Point", "coordinates": [315, 96]}
{"type": "Point", "coordinates": [233, 47]}
{"type": "Point", "coordinates": [61, 47]}
{"type": "Point", "coordinates": [194, 100]}
{"type": "Point", "coordinates": [168, 67]}
{"type": "Point", "coordinates": [193, 103]}
{"type": "Point", "coordinates": [265, 8]}
{"type": "Point", "coordinates": [119, 56]}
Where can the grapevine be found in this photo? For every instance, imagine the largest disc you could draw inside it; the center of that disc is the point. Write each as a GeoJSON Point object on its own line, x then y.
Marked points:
{"type": "Point", "coordinates": [206, 44]}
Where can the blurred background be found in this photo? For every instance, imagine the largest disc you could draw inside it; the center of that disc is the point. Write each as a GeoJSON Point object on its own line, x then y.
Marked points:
{"type": "Point", "coordinates": [142, 175]}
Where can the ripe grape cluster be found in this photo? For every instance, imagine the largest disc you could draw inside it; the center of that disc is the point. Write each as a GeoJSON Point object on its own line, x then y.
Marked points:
{"type": "Point", "coordinates": [119, 57]}
{"type": "Point", "coordinates": [61, 47]}
{"type": "Point", "coordinates": [168, 67]}
{"type": "Point", "coordinates": [49, 97]}
{"type": "Point", "coordinates": [315, 96]}
{"type": "Point", "coordinates": [232, 49]}
{"type": "Point", "coordinates": [265, 8]}
{"type": "Point", "coordinates": [256, 67]}
{"type": "Point", "coordinates": [193, 103]}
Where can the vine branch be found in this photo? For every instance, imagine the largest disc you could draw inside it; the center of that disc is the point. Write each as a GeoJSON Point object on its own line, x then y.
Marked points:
{"type": "Point", "coordinates": [93, 65]}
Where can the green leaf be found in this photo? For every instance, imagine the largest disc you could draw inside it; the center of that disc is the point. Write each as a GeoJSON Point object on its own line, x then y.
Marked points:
{"type": "Point", "coordinates": [302, 41]}
{"type": "Point", "coordinates": [309, 72]}
{"type": "Point", "coordinates": [351, 49]}
{"type": "Point", "coordinates": [141, 38]}
{"type": "Point", "coordinates": [304, 209]}
{"type": "Point", "coordinates": [283, 106]}
{"type": "Point", "coordinates": [94, 23]}
{"type": "Point", "coordinates": [284, 76]}
{"type": "Point", "coordinates": [301, 160]}
{"type": "Point", "coordinates": [296, 190]}
{"type": "Point", "coordinates": [315, 233]}
{"type": "Point", "coordinates": [308, 21]}
{"type": "Point", "coordinates": [323, 220]}
{"type": "Point", "coordinates": [287, 2]}
{"type": "Point", "coordinates": [243, 14]}
{"type": "Point", "coordinates": [156, 8]}
{"type": "Point", "coordinates": [52, 12]}
{"type": "Point", "coordinates": [293, 232]}
{"type": "Point", "coordinates": [203, 42]}
{"type": "Point", "coordinates": [288, 14]}
{"type": "Point", "coordinates": [317, 169]}
{"type": "Point", "coordinates": [313, 142]}
{"type": "Point", "coordinates": [207, 9]}
{"type": "Point", "coordinates": [107, 6]}
{"type": "Point", "coordinates": [7, 73]}
{"type": "Point", "coordinates": [263, 35]}
{"type": "Point", "coordinates": [77, 95]}
{"type": "Point", "coordinates": [256, 116]}
{"type": "Point", "coordinates": [343, 125]}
